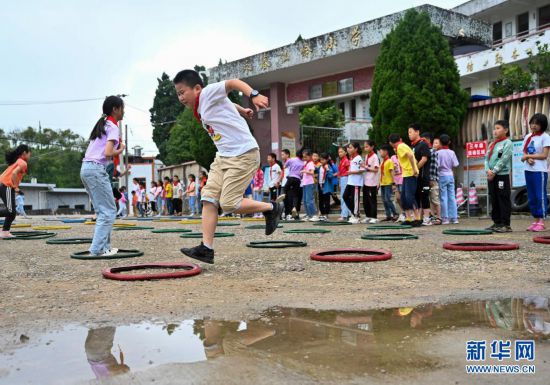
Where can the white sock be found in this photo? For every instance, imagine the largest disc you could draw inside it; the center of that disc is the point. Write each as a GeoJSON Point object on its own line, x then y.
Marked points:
{"type": "Point", "coordinates": [207, 246]}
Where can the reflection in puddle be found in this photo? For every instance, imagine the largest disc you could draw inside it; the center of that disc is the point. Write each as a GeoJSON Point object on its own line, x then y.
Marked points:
{"type": "Point", "coordinates": [318, 344]}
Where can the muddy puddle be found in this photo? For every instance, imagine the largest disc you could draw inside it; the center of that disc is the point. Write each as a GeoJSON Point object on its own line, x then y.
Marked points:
{"type": "Point", "coordinates": [318, 345]}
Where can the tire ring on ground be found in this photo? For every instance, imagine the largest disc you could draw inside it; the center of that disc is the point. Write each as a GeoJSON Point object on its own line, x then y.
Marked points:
{"type": "Point", "coordinates": [30, 235]}
{"type": "Point", "coordinates": [20, 225]}
{"type": "Point", "coordinates": [166, 220]}
{"type": "Point", "coordinates": [190, 222]}
{"type": "Point", "coordinates": [225, 218]}
{"type": "Point", "coordinates": [467, 232]}
{"type": "Point", "coordinates": [275, 244]}
{"type": "Point", "coordinates": [189, 271]}
{"type": "Point", "coordinates": [389, 227]}
{"type": "Point", "coordinates": [51, 227]}
{"type": "Point", "coordinates": [157, 231]}
{"type": "Point", "coordinates": [228, 224]}
{"type": "Point", "coordinates": [480, 246]}
{"type": "Point", "coordinates": [145, 219]}
{"type": "Point", "coordinates": [69, 241]}
{"type": "Point", "coordinates": [253, 219]}
{"type": "Point", "coordinates": [542, 239]}
{"type": "Point", "coordinates": [327, 223]}
{"type": "Point", "coordinates": [389, 237]}
{"type": "Point", "coordinates": [120, 228]}
{"type": "Point", "coordinates": [307, 231]}
{"type": "Point", "coordinates": [351, 255]}
{"type": "Point", "coordinates": [73, 220]}
{"type": "Point", "coordinates": [124, 224]}
{"type": "Point", "coordinates": [292, 221]}
{"type": "Point", "coordinates": [258, 227]}
{"type": "Point", "coordinates": [199, 235]}
{"type": "Point", "coordinates": [122, 253]}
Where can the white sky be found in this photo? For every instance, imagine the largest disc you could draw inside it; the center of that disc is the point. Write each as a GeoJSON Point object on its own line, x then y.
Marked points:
{"type": "Point", "coordinates": [60, 50]}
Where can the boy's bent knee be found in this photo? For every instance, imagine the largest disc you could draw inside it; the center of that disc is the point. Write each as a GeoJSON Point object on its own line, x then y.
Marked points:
{"type": "Point", "coordinates": [230, 206]}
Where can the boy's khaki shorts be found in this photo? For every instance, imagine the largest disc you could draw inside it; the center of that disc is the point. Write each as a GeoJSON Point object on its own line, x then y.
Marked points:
{"type": "Point", "coordinates": [434, 193]}
{"type": "Point", "coordinates": [228, 179]}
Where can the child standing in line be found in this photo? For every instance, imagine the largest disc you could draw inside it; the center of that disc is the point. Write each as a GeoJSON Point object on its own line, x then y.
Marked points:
{"type": "Point", "coordinates": [191, 193]}
{"type": "Point", "coordinates": [370, 183]}
{"type": "Point", "coordinates": [20, 204]}
{"type": "Point", "coordinates": [122, 207]}
{"type": "Point", "coordinates": [135, 202]}
{"type": "Point", "coordinates": [355, 181]}
{"type": "Point", "coordinates": [169, 194]}
{"type": "Point", "coordinates": [343, 172]}
{"type": "Point", "coordinates": [497, 166]}
{"type": "Point", "coordinates": [275, 176]}
{"type": "Point", "coordinates": [293, 167]}
{"type": "Point", "coordinates": [141, 199]}
{"type": "Point", "coordinates": [308, 186]}
{"type": "Point", "coordinates": [398, 183]}
{"type": "Point", "coordinates": [447, 161]}
{"type": "Point", "coordinates": [387, 183]}
{"type": "Point", "coordinates": [326, 186]}
{"type": "Point", "coordinates": [104, 143]}
{"type": "Point", "coordinates": [435, 201]}
{"type": "Point", "coordinates": [9, 184]}
{"type": "Point", "coordinates": [535, 153]}
{"type": "Point", "coordinates": [257, 186]}
{"type": "Point", "coordinates": [409, 169]}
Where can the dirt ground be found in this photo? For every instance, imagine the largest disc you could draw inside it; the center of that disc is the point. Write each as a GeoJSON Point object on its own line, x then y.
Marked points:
{"type": "Point", "coordinates": [42, 287]}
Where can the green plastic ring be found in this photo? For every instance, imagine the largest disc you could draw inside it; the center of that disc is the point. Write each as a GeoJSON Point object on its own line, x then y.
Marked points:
{"type": "Point", "coordinates": [171, 231]}
{"type": "Point", "coordinates": [307, 231]}
{"type": "Point", "coordinates": [132, 228]}
{"type": "Point", "coordinates": [467, 232]}
{"type": "Point", "coordinates": [199, 235]}
{"type": "Point", "coordinates": [389, 237]}
{"type": "Point", "coordinates": [122, 253]}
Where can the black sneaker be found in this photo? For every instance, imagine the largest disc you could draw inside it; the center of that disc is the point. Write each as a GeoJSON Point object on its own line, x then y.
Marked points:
{"type": "Point", "coordinates": [493, 227]}
{"type": "Point", "coordinates": [416, 223]}
{"type": "Point", "coordinates": [503, 229]}
{"type": "Point", "coordinates": [272, 217]}
{"type": "Point", "coordinates": [200, 252]}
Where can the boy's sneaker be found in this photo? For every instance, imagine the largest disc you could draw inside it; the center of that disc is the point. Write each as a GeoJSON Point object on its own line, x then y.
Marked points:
{"type": "Point", "coordinates": [108, 253]}
{"type": "Point", "coordinates": [272, 217]}
{"type": "Point", "coordinates": [353, 220]}
{"type": "Point", "coordinates": [503, 229]}
{"type": "Point", "coordinates": [455, 222]}
{"type": "Point", "coordinates": [200, 253]}
{"type": "Point", "coordinates": [445, 222]}
{"type": "Point", "coordinates": [426, 222]}
{"type": "Point", "coordinates": [294, 213]}
{"type": "Point", "coordinates": [289, 217]}
{"type": "Point", "coordinates": [323, 218]}
{"type": "Point", "coordinates": [401, 218]}
{"type": "Point", "coordinates": [493, 227]}
{"type": "Point", "coordinates": [314, 218]}
{"type": "Point", "coordinates": [373, 220]}
{"type": "Point", "coordinates": [365, 220]}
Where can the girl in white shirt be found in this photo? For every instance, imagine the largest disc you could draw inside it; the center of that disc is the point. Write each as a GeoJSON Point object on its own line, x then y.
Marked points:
{"type": "Point", "coordinates": [355, 181]}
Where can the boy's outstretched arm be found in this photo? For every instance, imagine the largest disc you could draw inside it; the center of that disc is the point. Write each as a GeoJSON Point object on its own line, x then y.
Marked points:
{"type": "Point", "coordinates": [246, 113]}
{"type": "Point", "coordinates": [259, 101]}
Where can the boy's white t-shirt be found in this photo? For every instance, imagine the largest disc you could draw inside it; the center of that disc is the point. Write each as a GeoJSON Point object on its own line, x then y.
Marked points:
{"type": "Point", "coordinates": [355, 165]}
{"type": "Point", "coordinates": [537, 143]}
{"type": "Point", "coordinates": [274, 174]}
{"type": "Point", "coordinates": [223, 123]}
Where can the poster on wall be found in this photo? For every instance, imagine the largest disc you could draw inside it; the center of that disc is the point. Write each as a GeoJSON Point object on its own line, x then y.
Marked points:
{"type": "Point", "coordinates": [518, 176]}
{"type": "Point", "coordinates": [474, 171]}
{"type": "Point", "coordinates": [288, 142]}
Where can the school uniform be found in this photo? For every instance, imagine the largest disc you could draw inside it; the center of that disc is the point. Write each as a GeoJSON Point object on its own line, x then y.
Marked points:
{"type": "Point", "coordinates": [499, 160]}
{"type": "Point", "coordinates": [536, 175]}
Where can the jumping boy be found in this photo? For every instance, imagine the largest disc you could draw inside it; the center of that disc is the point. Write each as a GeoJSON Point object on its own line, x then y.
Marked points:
{"type": "Point", "coordinates": [236, 161]}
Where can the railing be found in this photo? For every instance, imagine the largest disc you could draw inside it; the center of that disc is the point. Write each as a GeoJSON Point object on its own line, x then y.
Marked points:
{"type": "Point", "coordinates": [540, 30]}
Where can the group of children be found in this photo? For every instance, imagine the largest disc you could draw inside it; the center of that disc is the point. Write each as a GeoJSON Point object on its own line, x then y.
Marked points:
{"type": "Point", "coordinates": [420, 175]}
{"type": "Point", "coordinates": [164, 197]}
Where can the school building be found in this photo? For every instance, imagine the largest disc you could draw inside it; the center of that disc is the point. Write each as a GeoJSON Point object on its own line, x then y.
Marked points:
{"type": "Point", "coordinates": [339, 66]}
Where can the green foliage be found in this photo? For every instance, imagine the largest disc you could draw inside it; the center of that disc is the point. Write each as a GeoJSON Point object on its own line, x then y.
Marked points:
{"type": "Point", "coordinates": [512, 79]}
{"type": "Point", "coordinates": [190, 141]}
{"type": "Point", "coordinates": [416, 80]}
{"type": "Point", "coordinates": [56, 154]}
{"type": "Point", "coordinates": [166, 108]}
{"type": "Point", "coordinates": [321, 115]}
{"type": "Point", "coordinates": [539, 64]}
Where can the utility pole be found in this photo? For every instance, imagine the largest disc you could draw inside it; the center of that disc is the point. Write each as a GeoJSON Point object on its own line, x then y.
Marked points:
{"type": "Point", "coordinates": [128, 204]}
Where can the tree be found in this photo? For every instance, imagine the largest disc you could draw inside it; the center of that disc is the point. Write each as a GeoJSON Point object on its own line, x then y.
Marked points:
{"type": "Point", "coordinates": [539, 64]}
{"type": "Point", "coordinates": [321, 115]}
{"type": "Point", "coordinates": [190, 141]}
{"type": "Point", "coordinates": [165, 110]}
{"type": "Point", "coordinates": [512, 79]}
{"type": "Point", "coordinates": [416, 80]}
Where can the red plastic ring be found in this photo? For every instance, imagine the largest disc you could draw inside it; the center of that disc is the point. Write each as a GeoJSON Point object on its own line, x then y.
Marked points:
{"type": "Point", "coordinates": [351, 255]}
{"type": "Point", "coordinates": [542, 239]}
{"type": "Point", "coordinates": [190, 269]}
{"type": "Point", "coordinates": [480, 246]}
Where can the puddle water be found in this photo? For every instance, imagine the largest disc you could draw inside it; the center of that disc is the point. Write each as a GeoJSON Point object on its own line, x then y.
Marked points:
{"type": "Point", "coordinates": [316, 344]}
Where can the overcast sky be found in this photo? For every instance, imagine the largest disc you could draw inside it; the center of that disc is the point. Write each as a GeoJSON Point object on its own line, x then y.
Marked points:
{"type": "Point", "coordinates": [65, 50]}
